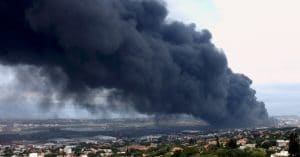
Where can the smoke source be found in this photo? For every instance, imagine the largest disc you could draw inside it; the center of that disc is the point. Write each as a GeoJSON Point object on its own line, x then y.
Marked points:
{"type": "Point", "coordinates": [126, 47]}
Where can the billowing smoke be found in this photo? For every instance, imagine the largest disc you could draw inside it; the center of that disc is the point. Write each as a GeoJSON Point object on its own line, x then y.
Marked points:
{"type": "Point", "coordinates": [128, 48]}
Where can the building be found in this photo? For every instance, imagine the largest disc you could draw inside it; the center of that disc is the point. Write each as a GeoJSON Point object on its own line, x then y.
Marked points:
{"type": "Point", "coordinates": [281, 154]}
{"type": "Point", "coordinates": [241, 142]}
{"type": "Point", "coordinates": [282, 143]}
{"type": "Point", "coordinates": [177, 149]}
{"type": "Point", "coordinates": [138, 147]}
{"type": "Point", "coordinates": [36, 155]}
{"type": "Point", "coordinates": [68, 149]}
{"type": "Point", "coordinates": [248, 146]}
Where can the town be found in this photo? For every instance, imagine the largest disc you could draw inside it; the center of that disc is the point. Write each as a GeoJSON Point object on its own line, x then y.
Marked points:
{"type": "Point", "coordinates": [258, 142]}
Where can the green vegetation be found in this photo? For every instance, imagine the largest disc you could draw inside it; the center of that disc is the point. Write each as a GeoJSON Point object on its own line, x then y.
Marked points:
{"type": "Point", "coordinates": [77, 150]}
{"type": "Point", "coordinates": [294, 150]}
{"type": "Point", "coordinates": [51, 155]}
{"type": "Point", "coordinates": [199, 151]}
{"type": "Point", "coordinates": [232, 144]}
{"type": "Point", "coordinates": [244, 143]}
{"type": "Point", "coordinates": [8, 152]}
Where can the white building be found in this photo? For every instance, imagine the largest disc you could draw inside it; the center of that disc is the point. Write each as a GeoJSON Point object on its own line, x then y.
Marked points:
{"type": "Point", "coordinates": [33, 154]}
{"type": "Point", "coordinates": [282, 143]}
{"type": "Point", "coordinates": [281, 154]}
{"type": "Point", "coordinates": [36, 154]}
{"type": "Point", "coordinates": [248, 146]}
{"type": "Point", "coordinates": [68, 149]}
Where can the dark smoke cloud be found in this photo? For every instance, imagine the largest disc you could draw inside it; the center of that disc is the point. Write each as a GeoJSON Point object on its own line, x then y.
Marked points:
{"type": "Point", "coordinates": [127, 47]}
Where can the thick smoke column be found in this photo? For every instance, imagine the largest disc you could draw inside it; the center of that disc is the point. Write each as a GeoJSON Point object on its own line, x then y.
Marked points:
{"type": "Point", "coordinates": [127, 47]}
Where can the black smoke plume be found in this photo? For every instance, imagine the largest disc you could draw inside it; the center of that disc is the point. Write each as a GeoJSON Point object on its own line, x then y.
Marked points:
{"type": "Point", "coordinates": [127, 47]}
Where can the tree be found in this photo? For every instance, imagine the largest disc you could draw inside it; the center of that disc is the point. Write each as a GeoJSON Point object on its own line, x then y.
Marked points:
{"type": "Point", "coordinates": [294, 150]}
{"type": "Point", "coordinates": [232, 144]}
{"type": "Point", "coordinates": [51, 155]}
{"type": "Point", "coordinates": [8, 151]}
{"type": "Point", "coordinates": [258, 153]}
{"type": "Point", "coordinates": [93, 155]}
{"type": "Point", "coordinates": [218, 142]}
{"type": "Point", "coordinates": [77, 150]}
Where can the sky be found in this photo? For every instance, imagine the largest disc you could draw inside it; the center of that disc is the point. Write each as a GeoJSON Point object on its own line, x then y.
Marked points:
{"type": "Point", "coordinates": [260, 39]}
